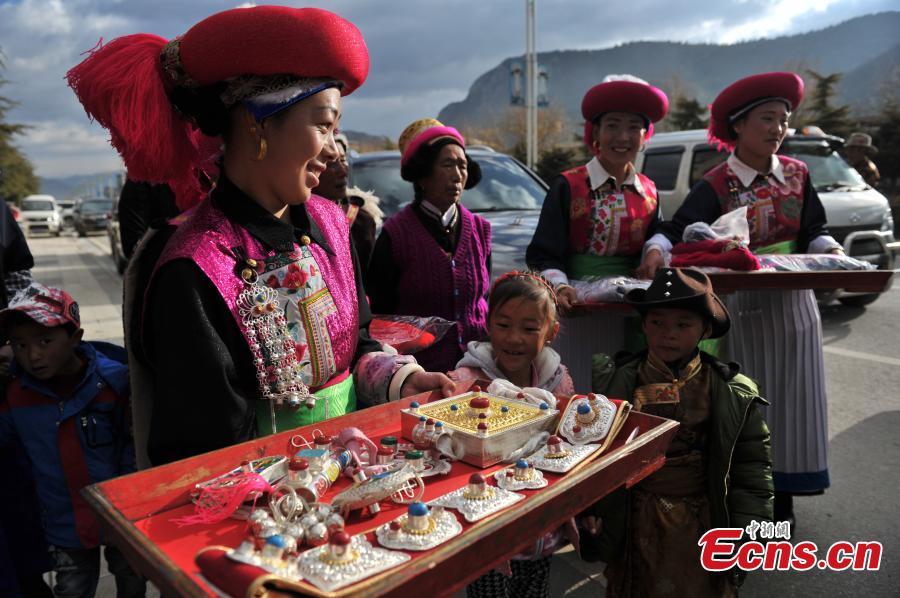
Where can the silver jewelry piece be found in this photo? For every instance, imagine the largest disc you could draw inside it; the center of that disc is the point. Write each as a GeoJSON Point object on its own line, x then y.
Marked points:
{"type": "Point", "coordinates": [270, 558]}
{"type": "Point", "coordinates": [366, 560]}
{"type": "Point", "coordinates": [592, 426]}
{"type": "Point", "coordinates": [286, 505]}
{"type": "Point", "coordinates": [400, 482]}
{"type": "Point", "coordinates": [573, 455]}
{"type": "Point", "coordinates": [262, 317]}
{"type": "Point", "coordinates": [443, 525]}
{"type": "Point", "coordinates": [535, 481]}
{"type": "Point", "coordinates": [473, 509]}
{"type": "Point", "coordinates": [434, 466]}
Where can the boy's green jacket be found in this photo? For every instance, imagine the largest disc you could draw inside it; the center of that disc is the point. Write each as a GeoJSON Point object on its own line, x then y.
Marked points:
{"type": "Point", "coordinates": [739, 458]}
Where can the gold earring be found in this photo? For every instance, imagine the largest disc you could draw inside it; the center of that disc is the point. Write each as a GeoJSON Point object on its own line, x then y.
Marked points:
{"type": "Point", "coordinates": [261, 152]}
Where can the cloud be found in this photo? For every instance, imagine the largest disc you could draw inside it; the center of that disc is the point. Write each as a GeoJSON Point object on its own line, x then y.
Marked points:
{"type": "Point", "coordinates": [70, 147]}
{"type": "Point", "coordinates": [780, 17]}
{"type": "Point", "coordinates": [424, 54]}
{"type": "Point", "coordinates": [361, 112]}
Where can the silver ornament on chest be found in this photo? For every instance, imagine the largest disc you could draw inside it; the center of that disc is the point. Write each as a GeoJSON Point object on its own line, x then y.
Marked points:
{"type": "Point", "coordinates": [271, 345]}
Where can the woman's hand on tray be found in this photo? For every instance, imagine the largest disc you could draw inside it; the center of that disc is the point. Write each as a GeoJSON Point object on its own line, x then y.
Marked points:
{"type": "Point", "coordinates": [652, 262]}
{"type": "Point", "coordinates": [567, 298]}
{"type": "Point", "coordinates": [420, 382]}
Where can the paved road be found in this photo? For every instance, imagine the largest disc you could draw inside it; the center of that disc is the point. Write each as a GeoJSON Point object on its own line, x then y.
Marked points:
{"type": "Point", "coordinates": [83, 266]}
{"type": "Point", "coordinates": [862, 359]}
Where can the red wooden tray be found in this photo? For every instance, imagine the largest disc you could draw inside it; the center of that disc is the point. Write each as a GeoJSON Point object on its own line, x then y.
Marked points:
{"type": "Point", "coordinates": [136, 512]}
{"type": "Point", "coordinates": [852, 281]}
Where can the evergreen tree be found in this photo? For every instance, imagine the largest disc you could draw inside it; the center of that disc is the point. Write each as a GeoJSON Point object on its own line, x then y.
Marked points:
{"type": "Point", "coordinates": [885, 131]}
{"type": "Point", "coordinates": [17, 178]}
{"type": "Point", "coordinates": [687, 114]}
{"type": "Point", "coordinates": [887, 140]}
{"type": "Point", "coordinates": [555, 160]}
{"type": "Point", "coordinates": [834, 120]}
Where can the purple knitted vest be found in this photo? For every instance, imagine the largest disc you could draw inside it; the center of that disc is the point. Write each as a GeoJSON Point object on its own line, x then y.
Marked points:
{"type": "Point", "coordinates": [432, 284]}
{"type": "Point", "coordinates": [207, 236]}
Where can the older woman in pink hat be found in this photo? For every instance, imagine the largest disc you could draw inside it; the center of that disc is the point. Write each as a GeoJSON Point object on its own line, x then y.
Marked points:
{"type": "Point", "coordinates": [433, 258]}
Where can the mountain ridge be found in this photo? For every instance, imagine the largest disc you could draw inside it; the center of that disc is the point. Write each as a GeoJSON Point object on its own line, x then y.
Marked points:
{"type": "Point", "coordinates": [862, 48]}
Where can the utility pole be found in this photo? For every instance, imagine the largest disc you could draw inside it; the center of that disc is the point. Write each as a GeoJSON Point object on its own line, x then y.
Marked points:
{"type": "Point", "coordinates": [531, 75]}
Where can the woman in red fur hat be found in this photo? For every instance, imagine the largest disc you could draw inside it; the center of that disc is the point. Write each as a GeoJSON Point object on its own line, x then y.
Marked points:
{"type": "Point", "coordinates": [254, 318]}
{"type": "Point", "coordinates": [750, 119]}
{"type": "Point", "coordinates": [596, 217]}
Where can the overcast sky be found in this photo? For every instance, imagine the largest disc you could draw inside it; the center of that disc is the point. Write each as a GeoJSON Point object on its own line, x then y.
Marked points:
{"type": "Point", "coordinates": [424, 53]}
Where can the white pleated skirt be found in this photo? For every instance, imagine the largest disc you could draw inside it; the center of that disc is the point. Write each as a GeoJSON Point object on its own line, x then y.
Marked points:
{"type": "Point", "coordinates": [776, 337]}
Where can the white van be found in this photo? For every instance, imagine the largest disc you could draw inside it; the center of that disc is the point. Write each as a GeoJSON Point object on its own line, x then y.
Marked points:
{"type": "Point", "coordinates": [859, 217]}
{"type": "Point", "coordinates": [40, 214]}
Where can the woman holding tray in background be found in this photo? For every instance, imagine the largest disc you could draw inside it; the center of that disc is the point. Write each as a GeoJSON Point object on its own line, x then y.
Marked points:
{"type": "Point", "coordinates": [255, 317]}
{"type": "Point", "coordinates": [777, 334]}
{"type": "Point", "coordinates": [596, 217]}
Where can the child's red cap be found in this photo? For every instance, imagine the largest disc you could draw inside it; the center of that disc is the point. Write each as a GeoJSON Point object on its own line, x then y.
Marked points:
{"type": "Point", "coordinates": [47, 306]}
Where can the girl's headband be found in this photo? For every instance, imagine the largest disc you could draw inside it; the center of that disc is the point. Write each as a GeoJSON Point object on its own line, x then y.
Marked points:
{"type": "Point", "coordinates": [532, 275]}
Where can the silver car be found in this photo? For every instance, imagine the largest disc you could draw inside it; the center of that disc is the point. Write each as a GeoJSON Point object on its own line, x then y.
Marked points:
{"type": "Point", "coordinates": [67, 209]}
{"type": "Point", "coordinates": [40, 214]}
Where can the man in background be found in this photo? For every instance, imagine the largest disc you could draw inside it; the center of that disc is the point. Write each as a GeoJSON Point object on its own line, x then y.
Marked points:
{"type": "Point", "coordinates": [859, 150]}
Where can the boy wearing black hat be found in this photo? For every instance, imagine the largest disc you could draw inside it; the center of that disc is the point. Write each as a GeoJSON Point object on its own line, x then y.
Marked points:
{"type": "Point", "coordinates": [718, 470]}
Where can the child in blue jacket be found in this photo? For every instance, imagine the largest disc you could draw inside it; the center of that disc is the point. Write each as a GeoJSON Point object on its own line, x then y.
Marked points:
{"type": "Point", "coordinates": [67, 405]}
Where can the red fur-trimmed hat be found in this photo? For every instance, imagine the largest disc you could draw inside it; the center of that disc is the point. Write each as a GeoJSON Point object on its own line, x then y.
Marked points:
{"type": "Point", "coordinates": [125, 85]}
{"type": "Point", "coordinates": [623, 93]}
{"type": "Point", "coordinates": [275, 40]}
{"type": "Point", "coordinates": [743, 95]}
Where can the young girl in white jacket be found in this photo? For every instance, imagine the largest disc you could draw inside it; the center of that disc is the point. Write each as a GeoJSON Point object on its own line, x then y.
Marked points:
{"type": "Point", "coordinates": [521, 322]}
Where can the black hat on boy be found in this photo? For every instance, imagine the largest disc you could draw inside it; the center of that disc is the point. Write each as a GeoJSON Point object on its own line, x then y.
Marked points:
{"type": "Point", "coordinates": [683, 288]}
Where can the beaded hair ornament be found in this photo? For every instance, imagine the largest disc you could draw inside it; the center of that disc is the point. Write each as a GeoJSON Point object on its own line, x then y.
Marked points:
{"type": "Point", "coordinates": [534, 276]}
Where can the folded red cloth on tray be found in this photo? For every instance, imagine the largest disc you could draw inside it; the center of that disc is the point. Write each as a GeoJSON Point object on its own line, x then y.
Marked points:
{"type": "Point", "coordinates": [231, 577]}
{"type": "Point", "coordinates": [719, 254]}
{"type": "Point", "coordinates": [408, 334]}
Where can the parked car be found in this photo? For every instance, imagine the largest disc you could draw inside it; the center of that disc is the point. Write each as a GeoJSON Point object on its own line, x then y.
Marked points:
{"type": "Point", "coordinates": [143, 205]}
{"type": "Point", "coordinates": [67, 210]}
{"type": "Point", "coordinates": [859, 217]}
{"type": "Point", "coordinates": [40, 214]}
{"type": "Point", "coordinates": [509, 196]}
{"type": "Point", "coordinates": [90, 215]}
{"type": "Point", "coordinates": [114, 234]}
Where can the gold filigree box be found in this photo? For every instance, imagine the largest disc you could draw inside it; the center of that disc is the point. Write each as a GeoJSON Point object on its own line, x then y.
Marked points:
{"type": "Point", "coordinates": [489, 428]}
